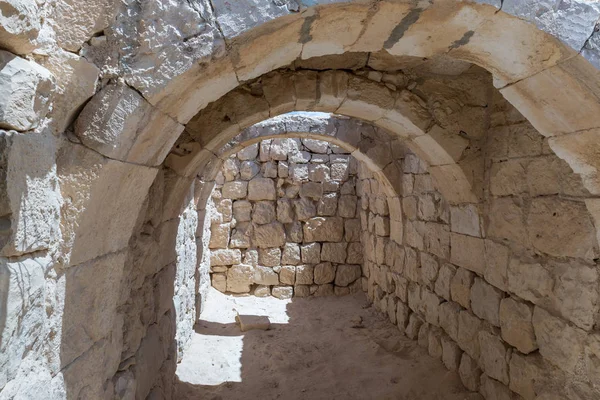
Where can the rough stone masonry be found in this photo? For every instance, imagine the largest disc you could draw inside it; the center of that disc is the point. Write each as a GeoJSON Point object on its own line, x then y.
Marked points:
{"type": "Point", "coordinates": [114, 113]}
{"type": "Point", "coordinates": [285, 221]}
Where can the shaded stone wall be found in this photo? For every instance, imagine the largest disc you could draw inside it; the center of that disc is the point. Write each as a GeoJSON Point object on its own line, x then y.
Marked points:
{"type": "Point", "coordinates": [504, 292]}
{"type": "Point", "coordinates": [285, 221]}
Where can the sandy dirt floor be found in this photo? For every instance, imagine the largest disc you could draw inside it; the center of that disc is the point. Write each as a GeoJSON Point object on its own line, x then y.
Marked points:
{"type": "Point", "coordinates": [313, 350]}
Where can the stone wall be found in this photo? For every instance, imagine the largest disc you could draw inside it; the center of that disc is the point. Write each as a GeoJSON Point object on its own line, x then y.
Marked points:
{"type": "Point", "coordinates": [504, 292]}
{"type": "Point", "coordinates": [285, 221]}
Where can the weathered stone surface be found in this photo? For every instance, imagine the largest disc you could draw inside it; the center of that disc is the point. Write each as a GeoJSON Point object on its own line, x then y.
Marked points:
{"type": "Point", "coordinates": [235, 190]}
{"type": "Point", "coordinates": [248, 170]}
{"type": "Point", "coordinates": [242, 210]}
{"type": "Point", "coordinates": [269, 257]}
{"type": "Point", "coordinates": [269, 235]}
{"type": "Point", "coordinates": [305, 209]}
{"type": "Point", "coordinates": [494, 356]}
{"type": "Point", "coordinates": [225, 257]}
{"type": "Point", "coordinates": [287, 275]}
{"type": "Point", "coordinates": [516, 325]}
{"type": "Point", "coordinates": [239, 278]}
{"type": "Point", "coordinates": [346, 274]}
{"type": "Point", "coordinates": [283, 292]}
{"type": "Point", "coordinates": [469, 372]}
{"type": "Point", "coordinates": [485, 301]}
{"type": "Point", "coordinates": [305, 274]}
{"type": "Point", "coordinates": [468, 252]}
{"type": "Point", "coordinates": [291, 254]}
{"type": "Point", "coordinates": [25, 91]}
{"type": "Point", "coordinates": [219, 238]}
{"type": "Point", "coordinates": [324, 229]}
{"type": "Point", "coordinates": [324, 273]}
{"type": "Point", "coordinates": [460, 287]}
{"type": "Point", "coordinates": [261, 189]}
{"type": "Point", "coordinates": [334, 252]}
{"type": "Point", "coordinates": [444, 279]}
{"type": "Point", "coordinates": [451, 353]}
{"type": "Point", "coordinates": [265, 276]}
{"type": "Point", "coordinates": [263, 212]}
{"type": "Point", "coordinates": [20, 24]}
{"type": "Point", "coordinates": [559, 343]}
{"type": "Point", "coordinates": [468, 333]}
{"type": "Point", "coordinates": [311, 253]}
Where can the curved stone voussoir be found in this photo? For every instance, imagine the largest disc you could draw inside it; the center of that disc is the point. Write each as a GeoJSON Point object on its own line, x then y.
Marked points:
{"type": "Point", "coordinates": [119, 123]}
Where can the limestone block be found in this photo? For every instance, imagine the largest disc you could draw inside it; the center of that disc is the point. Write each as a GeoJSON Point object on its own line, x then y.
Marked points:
{"type": "Point", "coordinates": [561, 228]}
{"type": "Point", "coordinates": [434, 346]}
{"type": "Point", "coordinates": [327, 205]}
{"type": "Point", "coordinates": [269, 257]}
{"type": "Point", "coordinates": [448, 318]}
{"type": "Point", "coordinates": [291, 254]}
{"type": "Point", "coordinates": [261, 189]}
{"type": "Point", "coordinates": [525, 373]}
{"type": "Point", "coordinates": [559, 343]}
{"type": "Point", "coordinates": [575, 294]}
{"type": "Point", "coordinates": [409, 205]}
{"type": "Point", "coordinates": [285, 212]}
{"type": "Point", "coordinates": [465, 219]}
{"type": "Point", "coordinates": [352, 230]}
{"type": "Point", "coordinates": [298, 172]}
{"type": "Point", "coordinates": [225, 257]}
{"type": "Point", "coordinates": [318, 172]}
{"type": "Point", "coordinates": [324, 229]}
{"type": "Point", "coordinates": [219, 282]}
{"type": "Point", "coordinates": [25, 90]}
{"type": "Point", "coordinates": [402, 316]}
{"type": "Point", "coordinates": [269, 235]}
{"type": "Point", "coordinates": [324, 290]}
{"type": "Point", "coordinates": [451, 353]}
{"type": "Point", "coordinates": [469, 327]}
{"type": "Point", "coordinates": [311, 253]}
{"type": "Point", "coordinates": [263, 212]}
{"type": "Point", "coordinates": [242, 210]}
{"type": "Point", "coordinates": [508, 178]}
{"type": "Point", "coordinates": [22, 285]}
{"type": "Point", "coordinates": [301, 290]}
{"type": "Point", "coordinates": [347, 207]}
{"type": "Point", "coordinates": [413, 234]}
{"type": "Point", "coordinates": [262, 291]}
{"type": "Point", "coordinates": [346, 274]}
{"type": "Point", "coordinates": [494, 356]}
{"type": "Point", "coordinates": [20, 24]}
{"type": "Point", "coordinates": [241, 236]}
{"type": "Point", "coordinates": [334, 252]}
{"type": "Point", "coordinates": [281, 148]}
{"type": "Point", "coordinates": [442, 284]}
{"type": "Point", "coordinates": [269, 170]}
{"type": "Point", "coordinates": [529, 281]}
{"type": "Point", "coordinates": [252, 322]}
{"type": "Point", "coordinates": [414, 326]}
{"type": "Point", "coordinates": [467, 252]}
{"type": "Point", "coordinates": [506, 220]}
{"type": "Point", "coordinates": [429, 269]}
{"type": "Point", "coordinates": [265, 276]}
{"type": "Point", "coordinates": [294, 232]}
{"type": "Point", "coordinates": [431, 304]}
{"type": "Point", "coordinates": [412, 268]}
{"type": "Point", "coordinates": [287, 275]}
{"type": "Point", "coordinates": [305, 209]}
{"type": "Point", "coordinates": [305, 274]}
{"type": "Point", "coordinates": [248, 170]}
{"type": "Point", "coordinates": [283, 170]}
{"type": "Point", "coordinates": [355, 253]}
{"type": "Point", "coordinates": [248, 153]}
{"type": "Point", "coordinates": [496, 264]}
{"type": "Point", "coordinates": [235, 190]}
{"type": "Point", "coordinates": [494, 390]}
{"type": "Point", "coordinates": [311, 190]}
{"type": "Point", "coordinates": [219, 236]}
{"type": "Point", "coordinates": [516, 325]}
{"type": "Point", "coordinates": [240, 278]}
{"type": "Point", "coordinates": [485, 301]}
{"type": "Point", "coordinates": [469, 372]}
{"type": "Point", "coordinates": [283, 292]}
{"type": "Point", "coordinates": [76, 80]}
{"type": "Point", "coordinates": [339, 172]}
{"type": "Point", "coordinates": [224, 208]}
{"type": "Point", "coordinates": [324, 273]}
{"type": "Point", "coordinates": [30, 222]}
{"type": "Point", "coordinates": [460, 287]}
{"type": "Point", "coordinates": [251, 257]}
{"type": "Point", "coordinates": [437, 239]}
{"type": "Point", "coordinates": [423, 337]}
